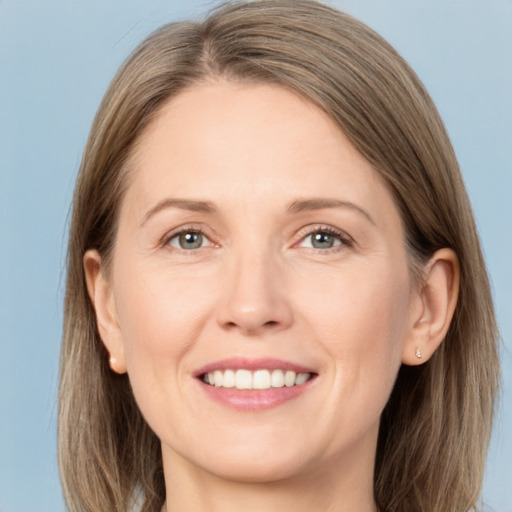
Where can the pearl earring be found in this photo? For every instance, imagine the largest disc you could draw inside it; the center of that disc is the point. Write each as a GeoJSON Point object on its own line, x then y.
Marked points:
{"type": "Point", "coordinates": [418, 353]}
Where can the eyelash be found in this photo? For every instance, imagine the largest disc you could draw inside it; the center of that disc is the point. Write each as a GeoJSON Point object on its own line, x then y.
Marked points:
{"type": "Point", "coordinates": [345, 240]}
{"type": "Point", "coordinates": [166, 241]}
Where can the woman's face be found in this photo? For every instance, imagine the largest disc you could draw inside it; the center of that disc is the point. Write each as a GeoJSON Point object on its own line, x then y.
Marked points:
{"type": "Point", "coordinates": [254, 241]}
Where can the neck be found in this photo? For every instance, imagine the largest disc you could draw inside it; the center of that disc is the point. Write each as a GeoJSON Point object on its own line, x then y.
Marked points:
{"type": "Point", "coordinates": [329, 488]}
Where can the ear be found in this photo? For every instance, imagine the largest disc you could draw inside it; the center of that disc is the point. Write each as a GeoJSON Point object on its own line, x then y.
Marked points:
{"type": "Point", "coordinates": [433, 307]}
{"type": "Point", "coordinates": [102, 298]}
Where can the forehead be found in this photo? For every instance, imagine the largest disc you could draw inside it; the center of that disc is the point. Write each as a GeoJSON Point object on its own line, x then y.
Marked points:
{"type": "Point", "coordinates": [226, 141]}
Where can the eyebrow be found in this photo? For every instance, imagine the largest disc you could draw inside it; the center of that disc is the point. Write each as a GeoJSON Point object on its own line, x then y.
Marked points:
{"type": "Point", "coordinates": [184, 204]}
{"type": "Point", "coordinates": [321, 203]}
{"type": "Point", "coordinates": [294, 207]}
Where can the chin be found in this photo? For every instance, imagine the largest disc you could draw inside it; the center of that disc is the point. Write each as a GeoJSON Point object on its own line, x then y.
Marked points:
{"type": "Point", "coordinates": [257, 470]}
{"type": "Point", "coordinates": [254, 459]}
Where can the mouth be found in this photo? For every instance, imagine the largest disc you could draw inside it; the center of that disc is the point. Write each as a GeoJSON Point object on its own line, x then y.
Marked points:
{"type": "Point", "coordinates": [254, 384]}
{"type": "Point", "coordinates": [260, 379]}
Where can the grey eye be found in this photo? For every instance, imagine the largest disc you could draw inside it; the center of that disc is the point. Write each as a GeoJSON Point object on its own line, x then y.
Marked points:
{"type": "Point", "coordinates": [321, 240]}
{"type": "Point", "coordinates": [188, 240]}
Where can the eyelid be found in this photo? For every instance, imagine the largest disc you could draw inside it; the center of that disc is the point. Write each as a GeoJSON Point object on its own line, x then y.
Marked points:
{"type": "Point", "coordinates": [345, 238]}
{"type": "Point", "coordinates": [187, 228]}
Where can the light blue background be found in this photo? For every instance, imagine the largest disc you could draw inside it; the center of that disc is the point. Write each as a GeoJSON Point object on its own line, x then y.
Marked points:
{"type": "Point", "coordinates": [56, 60]}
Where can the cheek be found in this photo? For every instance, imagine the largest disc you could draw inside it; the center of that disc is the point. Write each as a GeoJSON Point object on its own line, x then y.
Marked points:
{"type": "Point", "coordinates": [362, 328]}
{"type": "Point", "coordinates": [359, 307]}
{"type": "Point", "coordinates": [363, 336]}
{"type": "Point", "coordinates": [160, 315]}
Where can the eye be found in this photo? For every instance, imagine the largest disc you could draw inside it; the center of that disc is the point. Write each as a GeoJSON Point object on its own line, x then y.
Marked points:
{"type": "Point", "coordinates": [323, 239]}
{"type": "Point", "coordinates": [188, 240]}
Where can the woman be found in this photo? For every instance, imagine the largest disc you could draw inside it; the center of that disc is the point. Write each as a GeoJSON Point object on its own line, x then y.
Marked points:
{"type": "Point", "coordinates": [276, 296]}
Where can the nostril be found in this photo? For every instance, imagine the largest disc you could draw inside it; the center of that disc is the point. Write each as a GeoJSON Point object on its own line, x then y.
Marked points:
{"type": "Point", "coordinates": [254, 313]}
{"type": "Point", "coordinates": [269, 324]}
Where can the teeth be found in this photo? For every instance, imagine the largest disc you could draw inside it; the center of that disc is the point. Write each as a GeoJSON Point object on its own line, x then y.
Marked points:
{"type": "Point", "coordinates": [229, 379]}
{"type": "Point", "coordinates": [260, 379]}
{"type": "Point", "coordinates": [277, 379]}
{"type": "Point", "coordinates": [301, 378]}
{"type": "Point", "coordinates": [289, 379]}
{"type": "Point", "coordinates": [243, 379]}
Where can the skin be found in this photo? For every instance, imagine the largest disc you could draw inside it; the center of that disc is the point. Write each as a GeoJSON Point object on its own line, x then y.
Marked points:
{"type": "Point", "coordinates": [257, 287]}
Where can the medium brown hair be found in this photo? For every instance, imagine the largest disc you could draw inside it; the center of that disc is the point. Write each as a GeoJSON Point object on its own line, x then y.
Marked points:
{"type": "Point", "coordinates": [436, 427]}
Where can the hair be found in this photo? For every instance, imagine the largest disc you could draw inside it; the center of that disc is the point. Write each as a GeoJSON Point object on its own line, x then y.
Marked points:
{"type": "Point", "coordinates": [436, 426]}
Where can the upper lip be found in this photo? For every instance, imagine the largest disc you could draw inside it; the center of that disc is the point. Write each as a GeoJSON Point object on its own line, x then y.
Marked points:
{"type": "Point", "coordinates": [242, 363]}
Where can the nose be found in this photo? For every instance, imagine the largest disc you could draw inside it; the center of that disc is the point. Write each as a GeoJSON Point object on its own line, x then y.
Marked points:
{"type": "Point", "coordinates": [255, 300]}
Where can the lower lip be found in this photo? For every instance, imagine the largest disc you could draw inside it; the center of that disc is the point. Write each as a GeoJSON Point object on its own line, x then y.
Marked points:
{"type": "Point", "coordinates": [254, 400]}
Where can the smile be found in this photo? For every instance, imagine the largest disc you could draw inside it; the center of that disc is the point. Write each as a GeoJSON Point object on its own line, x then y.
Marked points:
{"type": "Point", "coordinates": [255, 380]}
{"type": "Point", "coordinates": [255, 384]}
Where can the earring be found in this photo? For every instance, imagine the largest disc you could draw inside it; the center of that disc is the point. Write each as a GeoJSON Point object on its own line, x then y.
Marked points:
{"type": "Point", "coordinates": [418, 353]}
{"type": "Point", "coordinates": [112, 361]}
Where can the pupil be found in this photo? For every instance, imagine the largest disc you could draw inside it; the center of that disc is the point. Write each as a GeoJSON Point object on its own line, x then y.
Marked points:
{"type": "Point", "coordinates": [191, 240]}
{"type": "Point", "coordinates": [323, 241]}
